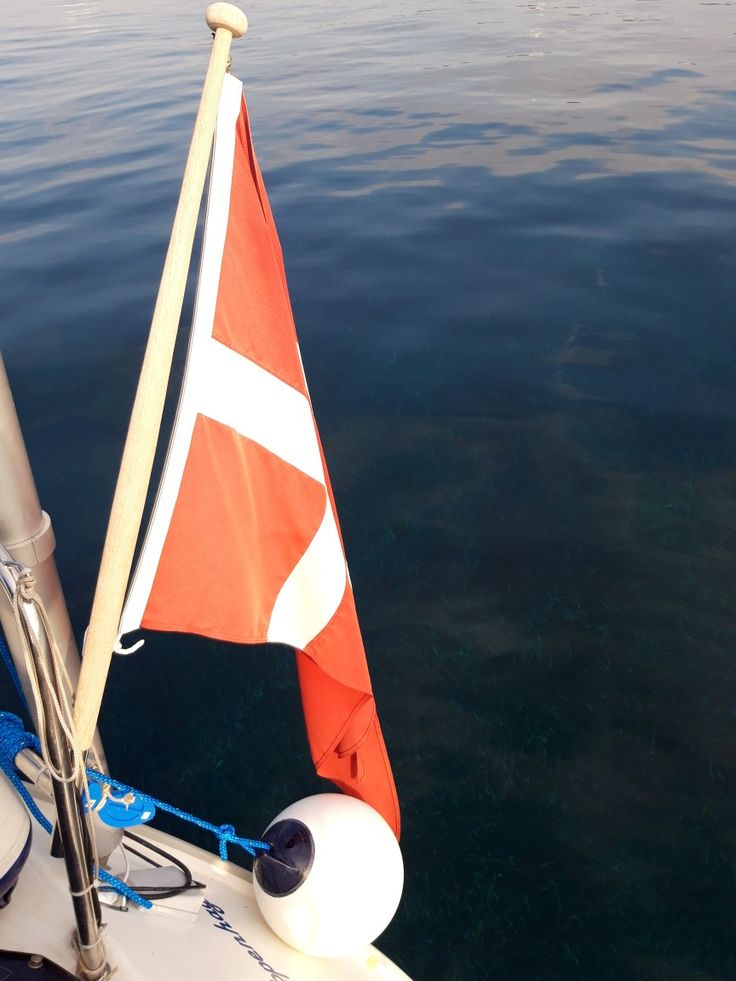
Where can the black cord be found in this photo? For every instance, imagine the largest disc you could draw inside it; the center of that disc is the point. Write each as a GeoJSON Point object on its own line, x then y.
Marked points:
{"type": "Point", "coordinates": [155, 892]}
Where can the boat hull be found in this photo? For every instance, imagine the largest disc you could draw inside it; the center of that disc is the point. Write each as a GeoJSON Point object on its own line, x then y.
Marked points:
{"type": "Point", "coordinates": [221, 934]}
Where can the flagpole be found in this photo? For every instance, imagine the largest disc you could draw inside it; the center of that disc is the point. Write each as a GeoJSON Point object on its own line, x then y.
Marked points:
{"type": "Point", "coordinates": [227, 22]}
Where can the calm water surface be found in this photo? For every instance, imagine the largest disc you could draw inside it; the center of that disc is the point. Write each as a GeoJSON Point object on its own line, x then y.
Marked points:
{"type": "Point", "coordinates": [510, 233]}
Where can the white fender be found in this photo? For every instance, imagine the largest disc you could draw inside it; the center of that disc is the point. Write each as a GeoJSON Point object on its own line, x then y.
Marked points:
{"type": "Point", "coordinates": [333, 878]}
{"type": "Point", "coordinates": [15, 837]}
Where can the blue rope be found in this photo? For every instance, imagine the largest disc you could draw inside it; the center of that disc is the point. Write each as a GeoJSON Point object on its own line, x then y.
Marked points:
{"type": "Point", "coordinates": [123, 888]}
{"type": "Point", "coordinates": [13, 672]}
{"type": "Point", "coordinates": [13, 738]}
{"type": "Point", "coordinates": [225, 832]}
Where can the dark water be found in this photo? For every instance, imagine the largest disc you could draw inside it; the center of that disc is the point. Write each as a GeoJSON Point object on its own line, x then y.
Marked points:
{"type": "Point", "coordinates": [510, 233]}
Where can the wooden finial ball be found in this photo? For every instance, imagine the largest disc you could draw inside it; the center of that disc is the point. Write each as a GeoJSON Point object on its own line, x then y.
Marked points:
{"type": "Point", "coordinates": [227, 15]}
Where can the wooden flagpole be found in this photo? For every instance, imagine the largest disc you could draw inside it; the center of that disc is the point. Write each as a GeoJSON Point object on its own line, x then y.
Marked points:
{"type": "Point", "coordinates": [140, 445]}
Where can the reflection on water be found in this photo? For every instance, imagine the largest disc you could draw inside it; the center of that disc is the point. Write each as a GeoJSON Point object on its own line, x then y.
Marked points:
{"type": "Point", "coordinates": [510, 240]}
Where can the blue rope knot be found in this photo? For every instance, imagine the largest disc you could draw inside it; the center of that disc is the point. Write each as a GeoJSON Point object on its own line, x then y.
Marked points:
{"type": "Point", "coordinates": [226, 834]}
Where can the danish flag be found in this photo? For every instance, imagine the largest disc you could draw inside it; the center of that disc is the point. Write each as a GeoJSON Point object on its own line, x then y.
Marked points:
{"type": "Point", "coordinates": [245, 488]}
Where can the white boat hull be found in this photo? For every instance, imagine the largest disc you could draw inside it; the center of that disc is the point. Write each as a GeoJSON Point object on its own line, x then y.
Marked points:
{"type": "Point", "coordinates": [222, 935]}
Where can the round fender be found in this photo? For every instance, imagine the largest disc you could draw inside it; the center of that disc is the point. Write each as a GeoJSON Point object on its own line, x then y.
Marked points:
{"type": "Point", "coordinates": [15, 838]}
{"type": "Point", "coordinates": [333, 877]}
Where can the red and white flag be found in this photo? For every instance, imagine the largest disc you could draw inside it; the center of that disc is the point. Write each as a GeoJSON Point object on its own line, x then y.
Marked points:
{"type": "Point", "coordinates": [245, 493]}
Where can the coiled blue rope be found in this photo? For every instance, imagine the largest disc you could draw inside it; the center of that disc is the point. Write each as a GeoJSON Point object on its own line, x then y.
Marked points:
{"type": "Point", "coordinates": [13, 738]}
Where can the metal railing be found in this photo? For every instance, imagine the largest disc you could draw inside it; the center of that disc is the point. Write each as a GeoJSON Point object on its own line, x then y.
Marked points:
{"type": "Point", "coordinates": [70, 825]}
